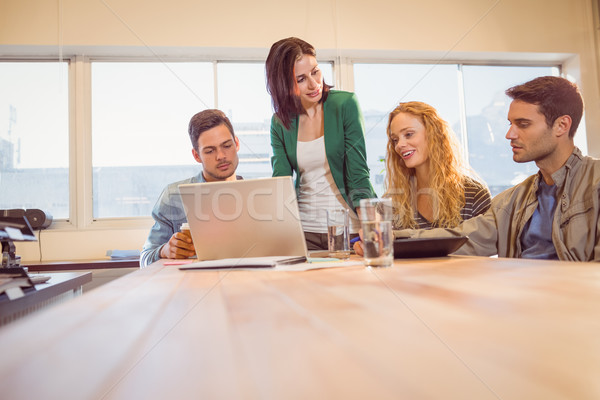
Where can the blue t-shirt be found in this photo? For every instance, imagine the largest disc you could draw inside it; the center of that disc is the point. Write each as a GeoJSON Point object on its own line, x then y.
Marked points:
{"type": "Point", "coordinates": [536, 239]}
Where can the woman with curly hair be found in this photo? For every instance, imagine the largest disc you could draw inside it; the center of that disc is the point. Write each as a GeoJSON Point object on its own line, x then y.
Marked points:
{"type": "Point", "coordinates": [426, 179]}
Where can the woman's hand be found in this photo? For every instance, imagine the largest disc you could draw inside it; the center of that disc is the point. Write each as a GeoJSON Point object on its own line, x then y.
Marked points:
{"type": "Point", "coordinates": [358, 245]}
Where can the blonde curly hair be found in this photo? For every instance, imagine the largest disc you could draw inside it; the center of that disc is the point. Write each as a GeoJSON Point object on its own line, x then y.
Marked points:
{"type": "Point", "coordinates": [447, 180]}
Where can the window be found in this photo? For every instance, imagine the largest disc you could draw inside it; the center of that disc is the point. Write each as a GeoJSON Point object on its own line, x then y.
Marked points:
{"type": "Point", "coordinates": [140, 112]}
{"type": "Point", "coordinates": [242, 95]}
{"type": "Point", "coordinates": [486, 110]}
{"type": "Point", "coordinates": [140, 116]}
{"type": "Point", "coordinates": [380, 87]}
{"type": "Point", "coordinates": [455, 90]}
{"type": "Point", "coordinates": [34, 136]}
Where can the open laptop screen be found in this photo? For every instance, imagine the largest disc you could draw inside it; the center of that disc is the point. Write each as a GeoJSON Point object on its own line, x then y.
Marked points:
{"type": "Point", "coordinates": [244, 218]}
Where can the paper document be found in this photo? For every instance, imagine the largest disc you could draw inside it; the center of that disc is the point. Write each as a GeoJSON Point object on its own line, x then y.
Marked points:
{"type": "Point", "coordinates": [306, 266]}
{"type": "Point", "coordinates": [247, 262]}
{"type": "Point", "coordinates": [275, 263]}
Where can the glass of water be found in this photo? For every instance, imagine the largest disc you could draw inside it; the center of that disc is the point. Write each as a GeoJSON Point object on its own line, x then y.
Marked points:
{"type": "Point", "coordinates": [338, 233]}
{"type": "Point", "coordinates": [377, 236]}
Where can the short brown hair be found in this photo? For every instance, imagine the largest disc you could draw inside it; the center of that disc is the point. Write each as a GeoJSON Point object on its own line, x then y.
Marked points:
{"type": "Point", "coordinates": [554, 96]}
{"type": "Point", "coordinates": [205, 120]}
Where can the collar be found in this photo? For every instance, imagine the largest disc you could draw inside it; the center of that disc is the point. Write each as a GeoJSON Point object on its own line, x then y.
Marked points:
{"type": "Point", "coordinates": [560, 176]}
{"type": "Point", "coordinates": [200, 178]}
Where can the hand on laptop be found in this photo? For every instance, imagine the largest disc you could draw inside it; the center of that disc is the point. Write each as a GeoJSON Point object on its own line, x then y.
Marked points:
{"type": "Point", "coordinates": [180, 245]}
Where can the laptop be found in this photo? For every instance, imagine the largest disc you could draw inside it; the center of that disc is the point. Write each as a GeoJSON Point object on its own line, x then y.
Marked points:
{"type": "Point", "coordinates": [244, 218]}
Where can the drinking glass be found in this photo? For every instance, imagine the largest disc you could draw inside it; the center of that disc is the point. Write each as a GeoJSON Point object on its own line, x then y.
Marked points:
{"type": "Point", "coordinates": [338, 233]}
{"type": "Point", "coordinates": [377, 236]}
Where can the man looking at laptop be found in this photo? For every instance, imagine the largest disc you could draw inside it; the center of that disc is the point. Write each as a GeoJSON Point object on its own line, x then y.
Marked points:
{"type": "Point", "coordinates": [555, 213]}
{"type": "Point", "coordinates": [216, 147]}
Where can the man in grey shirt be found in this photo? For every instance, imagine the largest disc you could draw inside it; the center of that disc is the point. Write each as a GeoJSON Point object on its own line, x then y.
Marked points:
{"type": "Point", "coordinates": [215, 146]}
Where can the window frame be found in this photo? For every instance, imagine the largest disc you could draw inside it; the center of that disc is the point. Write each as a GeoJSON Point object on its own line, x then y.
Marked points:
{"type": "Point", "coordinates": [342, 64]}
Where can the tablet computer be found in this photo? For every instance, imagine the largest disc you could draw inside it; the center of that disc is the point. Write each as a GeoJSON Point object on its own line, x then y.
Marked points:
{"type": "Point", "coordinates": [427, 247]}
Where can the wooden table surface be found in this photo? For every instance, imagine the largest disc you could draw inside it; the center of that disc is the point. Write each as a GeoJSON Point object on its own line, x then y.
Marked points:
{"type": "Point", "coordinates": [448, 328]}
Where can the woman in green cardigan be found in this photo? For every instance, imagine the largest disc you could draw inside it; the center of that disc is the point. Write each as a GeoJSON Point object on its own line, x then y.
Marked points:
{"type": "Point", "coordinates": [317, 133]}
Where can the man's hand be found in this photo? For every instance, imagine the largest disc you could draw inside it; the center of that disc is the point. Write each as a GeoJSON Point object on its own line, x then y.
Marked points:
{"type": "Point", "coordinates": [180, 245]}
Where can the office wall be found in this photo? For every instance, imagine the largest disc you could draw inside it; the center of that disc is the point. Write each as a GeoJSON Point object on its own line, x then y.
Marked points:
{"type": "Point", "coordinates": [563, 29]}
{"type": "Point", "coordinates": [462, 25]}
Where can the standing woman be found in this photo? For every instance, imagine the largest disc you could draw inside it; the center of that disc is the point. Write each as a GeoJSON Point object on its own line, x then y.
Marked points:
{"type": "Point", "coordinates": [317, 133]}
{"type": "Point", "coordinates": [426, 179]}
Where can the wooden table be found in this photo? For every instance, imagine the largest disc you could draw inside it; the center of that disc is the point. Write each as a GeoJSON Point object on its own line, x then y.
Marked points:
{"type": "Point", "coordinates": [448, 328]}
{"type": "Point", "coordinates": [60, 287]}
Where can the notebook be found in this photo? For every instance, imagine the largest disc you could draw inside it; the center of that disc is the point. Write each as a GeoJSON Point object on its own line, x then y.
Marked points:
{"type": "Point", "coordinates": [244, 218]}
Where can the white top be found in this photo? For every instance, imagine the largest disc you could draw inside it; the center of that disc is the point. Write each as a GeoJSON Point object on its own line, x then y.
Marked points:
{"type": "Point", "coordinates": [318, 191]}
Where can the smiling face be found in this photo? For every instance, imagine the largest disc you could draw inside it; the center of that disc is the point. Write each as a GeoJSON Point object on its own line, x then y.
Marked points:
{"type": "Point", "coordinates": [309, 80]}
{"type": "Point", "coordinates": [530, 137]}
{"type": "Point", "coordinates": [218, 154]}
{"type": "Point", "coordinates": [409, 138]}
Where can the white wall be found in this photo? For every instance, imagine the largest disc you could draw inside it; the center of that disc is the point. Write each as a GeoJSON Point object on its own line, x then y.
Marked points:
{"type": "Point", "coordinates": [449, 29]}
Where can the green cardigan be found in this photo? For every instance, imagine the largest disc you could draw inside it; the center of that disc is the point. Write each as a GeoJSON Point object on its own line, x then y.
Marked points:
{"type": "Point", "coordinates": [344, 147]}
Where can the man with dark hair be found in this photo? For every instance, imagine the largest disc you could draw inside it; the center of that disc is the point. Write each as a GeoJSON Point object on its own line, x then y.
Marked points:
{"type": "Point", "coordinates": [554, 97]}
{"type": "Point", "coordinates": [553, 214]}
{"type": "Point", "coordinates": [215, 146]}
